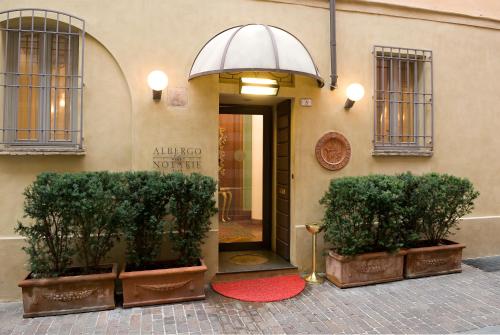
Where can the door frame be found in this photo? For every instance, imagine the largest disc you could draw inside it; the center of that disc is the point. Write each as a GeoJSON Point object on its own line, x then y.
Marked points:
{"type": "Point", "coordinates": [283, 190]}
{"type": "Point", "coordinates": [267, 177]}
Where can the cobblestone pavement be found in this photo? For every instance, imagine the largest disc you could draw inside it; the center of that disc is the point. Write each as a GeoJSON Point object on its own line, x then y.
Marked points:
{"type": "Point", "coordinates": [489, 264]}
{"type": "Point", "coordinates": [467, 302]}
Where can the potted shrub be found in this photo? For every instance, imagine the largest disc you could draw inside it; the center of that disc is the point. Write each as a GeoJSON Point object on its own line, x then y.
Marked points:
{"type": "Point", "coordinates": [72, 215]}
{"type": "Point", "coordinates": [362, 225]}
{"type": "Point", "coordinates": [190, 208]}
{"type": "Point", "coordinates": [188, 202]}
{"type": "Point", "coordinates": [436, 205]}
{"type": "Point", "coordinates": [148, 195]}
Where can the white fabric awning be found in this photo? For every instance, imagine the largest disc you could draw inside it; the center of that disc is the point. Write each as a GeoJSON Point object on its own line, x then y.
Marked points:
{"type": "Point", "coordinates": [254, 47]}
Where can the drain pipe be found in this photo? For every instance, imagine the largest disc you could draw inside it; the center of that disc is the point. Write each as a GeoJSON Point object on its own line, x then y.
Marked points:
{"type": "Point", "coordinates": [333, 47]}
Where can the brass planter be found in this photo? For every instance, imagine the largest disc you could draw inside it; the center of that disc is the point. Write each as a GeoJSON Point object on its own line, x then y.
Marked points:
{"type": "Point", "coordinates": [69, 294]}
{"type": "Point", "coordinates": [435, 260]}
{"type": "Point", "coordinates": [364, 269]}
{"type": "Point", "coordinates": [159, 286]}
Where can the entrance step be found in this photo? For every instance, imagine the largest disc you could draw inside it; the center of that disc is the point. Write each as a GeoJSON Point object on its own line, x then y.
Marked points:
{"type": "Point", "coordinates": [251, 264]}
{"type": "Point", "coordinates": [223, 277]}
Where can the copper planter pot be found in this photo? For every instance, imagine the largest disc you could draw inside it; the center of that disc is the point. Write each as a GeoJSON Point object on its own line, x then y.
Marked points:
{"type": "Point", "coordinates": [153, 287]}
{"type": "Point", "coordinates": [432, 261]}
{"type": "Point", "coordinates": [364, 269]}
{"type": "Point", "coordinates": [69, 294]}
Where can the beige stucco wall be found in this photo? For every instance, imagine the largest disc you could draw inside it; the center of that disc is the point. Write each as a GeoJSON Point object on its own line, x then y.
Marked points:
{"type": "Point", "coordinates": [123, 125]}
{"type": "Point", "coordinates": [108, 114]}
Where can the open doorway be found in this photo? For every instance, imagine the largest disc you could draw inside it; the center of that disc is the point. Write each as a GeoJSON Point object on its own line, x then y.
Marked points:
{"type": "Point", "coordinates": [254, 174]}
{"type": "Point", "coordinates": [245, 177]}
{"type": "Point", "coordinates": [254, 185]}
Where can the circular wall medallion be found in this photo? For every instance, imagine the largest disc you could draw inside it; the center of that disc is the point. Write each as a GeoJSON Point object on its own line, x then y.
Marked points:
{"type": "Point", "coordinates": [333, 151]}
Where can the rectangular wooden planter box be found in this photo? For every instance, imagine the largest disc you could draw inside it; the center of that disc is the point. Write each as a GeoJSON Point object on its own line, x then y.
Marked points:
{"type": "Point", "coordinates": [364, 269]}
{"type": "Point", "coordinates": [153, 287]}
{"type": "Point", "coordinates": [432, 261]}
{"type": "Point", "coordinates": [69, 294]}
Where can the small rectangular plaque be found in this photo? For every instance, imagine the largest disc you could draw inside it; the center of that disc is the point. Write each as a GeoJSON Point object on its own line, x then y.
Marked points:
{"type": "Point", "coordinates": [306, 102]}
{"type": "Point", "coordinates": [177, 97]}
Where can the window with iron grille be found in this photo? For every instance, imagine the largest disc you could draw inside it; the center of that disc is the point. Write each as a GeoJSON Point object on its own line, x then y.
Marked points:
{"type": "Point", "coordinates": [403, 101]}
{"type": "Point", "coordinates": [42, 78]}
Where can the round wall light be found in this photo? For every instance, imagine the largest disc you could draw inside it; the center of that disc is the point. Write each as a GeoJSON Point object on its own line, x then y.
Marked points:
{"type": "Point", "coordinates": [355, 92]}
{"type": "Point", "coordinates": [157, 81]}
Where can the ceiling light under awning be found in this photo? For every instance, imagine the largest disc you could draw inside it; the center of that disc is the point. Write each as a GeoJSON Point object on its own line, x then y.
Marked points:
{"type": "Point", "coordinates": [258, 86]}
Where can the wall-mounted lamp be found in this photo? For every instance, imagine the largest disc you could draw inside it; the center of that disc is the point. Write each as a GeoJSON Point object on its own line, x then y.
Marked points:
{"type": "Point", "coordinates": [258, 86]}
{"type": "Point", "coordinates": [157, 81]}
{"type": "Point", "coordinates": [355, 92]}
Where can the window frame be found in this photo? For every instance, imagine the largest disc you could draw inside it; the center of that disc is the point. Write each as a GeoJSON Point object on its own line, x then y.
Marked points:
{"type": "Point", "coordinates": [419, 99]}
{"type": "Point", "coordinates": [50, 25]}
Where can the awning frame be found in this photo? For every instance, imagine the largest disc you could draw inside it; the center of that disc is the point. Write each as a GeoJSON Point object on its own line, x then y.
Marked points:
{"type": "Point", "coordinates": [221, 69]}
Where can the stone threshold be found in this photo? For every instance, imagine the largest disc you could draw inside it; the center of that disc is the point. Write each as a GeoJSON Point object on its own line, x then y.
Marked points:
{"type": "Point", "coordinates": [272, 261]}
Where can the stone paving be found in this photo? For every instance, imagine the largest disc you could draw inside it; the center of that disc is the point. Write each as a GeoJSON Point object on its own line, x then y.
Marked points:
{"type": "Point", "coordinates": [468, 302]}
{"type": "Point", "coordinates": [488, 264]}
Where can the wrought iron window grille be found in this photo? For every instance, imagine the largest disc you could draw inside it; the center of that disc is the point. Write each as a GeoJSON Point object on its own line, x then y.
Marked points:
{"type": "Point", "coordinates": [403, 101]}
{"type": "Point", "coordinates": [41, 79]}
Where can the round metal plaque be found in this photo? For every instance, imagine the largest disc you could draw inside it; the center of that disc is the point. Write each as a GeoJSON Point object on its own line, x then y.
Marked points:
{"type": "Point", "coordinates": [333, 151]}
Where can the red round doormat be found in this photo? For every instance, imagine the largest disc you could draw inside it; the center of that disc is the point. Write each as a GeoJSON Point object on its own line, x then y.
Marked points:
{"type": "Point", "coordinates": [262, 289]}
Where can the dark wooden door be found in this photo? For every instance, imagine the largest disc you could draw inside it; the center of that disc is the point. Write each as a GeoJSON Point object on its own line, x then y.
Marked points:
{"type": "Point", "coordinates": [283, 180]}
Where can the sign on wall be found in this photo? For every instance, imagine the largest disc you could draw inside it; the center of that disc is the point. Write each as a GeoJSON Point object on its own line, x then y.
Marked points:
{"type": "Point", "coordinates": [177, 159]}
{"type": "Point", "coordinates": [177, 97]}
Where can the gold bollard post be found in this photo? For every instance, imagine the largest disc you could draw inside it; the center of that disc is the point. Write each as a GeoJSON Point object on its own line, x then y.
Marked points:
{"type": "Point", "coordinates": [314, 229]}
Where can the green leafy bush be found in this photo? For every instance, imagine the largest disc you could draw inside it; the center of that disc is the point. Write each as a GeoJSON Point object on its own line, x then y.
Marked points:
{"type": "Point", "coordinates": [440, 200]}
{"type": "Point", "coordinates": [48, 235]}
{"type": "Point", "coordinates": [83, 214]}
{"type": "Point", "coordinates": [384, 213]}
{"type": "Point", "coordinates": [409, 212]}
{"type": "Point", "coordinates": [363, 214]}
{"type": "Point", "coordinates": [96, 214]}
{"type": "Point", "coordinates": [190, 207]}
{"type": "Point", "coordinates": [147, 194]}
{"type": "Point", "coordinates": [74, 214]}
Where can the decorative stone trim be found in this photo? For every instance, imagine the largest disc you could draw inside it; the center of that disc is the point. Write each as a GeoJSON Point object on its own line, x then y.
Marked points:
{"type": "Point", "coordinates": [372, 268]}
{"type": "Point", "coordinates": [69, 296]}
{"type": "Point", "coordinates": [164, 287]}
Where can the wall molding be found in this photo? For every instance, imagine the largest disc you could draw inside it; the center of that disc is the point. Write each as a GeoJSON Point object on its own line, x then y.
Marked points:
{"type": "Point", "coordinates": [489, 217]}
{"type": "Point", "coordinates": [377, 7]}
{"type": "Point", "coordinates": [486, 217]}
{"type": "Point", "coordinates": [17, 237]}
{"type": "Point", "coordinates": [11, 238]}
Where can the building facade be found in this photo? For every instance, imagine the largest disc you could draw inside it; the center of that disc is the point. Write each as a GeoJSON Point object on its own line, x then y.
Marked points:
{"type": "Point", "coordinates": [75, 98]}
